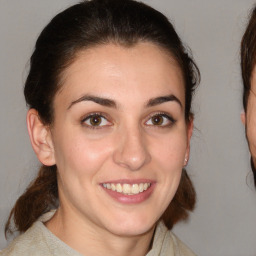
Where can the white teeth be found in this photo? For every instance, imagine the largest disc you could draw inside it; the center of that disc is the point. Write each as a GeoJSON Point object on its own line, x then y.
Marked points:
{"type": "Point", "coordinates": [113, 187]}
{"type": "Point", "coordinates": [119, 188]}
{"type": "Point", "coordinates": [141, 187]}
{"type": "Point", "coordinates": [127, 189]}
{"type": "Point", "coordinates": [135, 189]}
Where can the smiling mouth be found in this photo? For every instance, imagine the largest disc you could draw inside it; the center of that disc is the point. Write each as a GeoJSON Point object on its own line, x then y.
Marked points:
{"type": "Point", "coordinates": [127, 189]}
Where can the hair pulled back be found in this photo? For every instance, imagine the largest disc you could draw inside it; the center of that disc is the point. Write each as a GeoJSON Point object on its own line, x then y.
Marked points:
{"type": "Point", "coordinates": [248, 55]}
{"type": "Point", "coordinates": [79, 27]}
{"type": "Point", "coordinates": [248, 61]}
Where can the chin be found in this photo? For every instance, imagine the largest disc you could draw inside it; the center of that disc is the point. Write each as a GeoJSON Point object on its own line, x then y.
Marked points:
{"type": "Point", "coordinates": [132, 226]}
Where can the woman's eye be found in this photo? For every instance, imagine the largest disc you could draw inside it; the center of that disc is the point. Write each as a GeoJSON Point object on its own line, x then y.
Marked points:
{"type": "Point", "coordinates": [160, 120]}
{"type": "Point", "coordinates": [96, 120]}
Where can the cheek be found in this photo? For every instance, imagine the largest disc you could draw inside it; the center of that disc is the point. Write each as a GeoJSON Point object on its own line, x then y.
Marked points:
{"type": "Point", "coordinates": [80, 155]}
{"type": "Point", "coordinates": [251, 125]}
{"type": "Point", "coordinates": [251, 136]}
{"type": "Point", "coordinates": [168, 161]}
{"type": "Point", "coordinates": [171, 150]}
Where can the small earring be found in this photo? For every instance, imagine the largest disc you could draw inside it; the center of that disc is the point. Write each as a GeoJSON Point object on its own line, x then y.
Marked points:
{"type": "Point", "coordinates": [186, 161]}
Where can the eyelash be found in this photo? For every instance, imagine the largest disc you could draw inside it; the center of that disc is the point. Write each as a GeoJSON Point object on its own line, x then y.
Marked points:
{"type": "Point", "coordinates": [95, 115]}
{"type": "Point", "coordinates": [169, 118]}
{"type": "Point", "coordinates": [165, 116]}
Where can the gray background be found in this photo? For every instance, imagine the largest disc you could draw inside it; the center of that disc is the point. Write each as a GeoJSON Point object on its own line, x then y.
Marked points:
{"type": "Point", "coordinates": [223, 223]}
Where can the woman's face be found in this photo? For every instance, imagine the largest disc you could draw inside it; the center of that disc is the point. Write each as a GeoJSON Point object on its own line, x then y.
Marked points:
{"type": "Point", "coordinates": [251, 117]}
{"type": "Point", "coordinates": [120, 138]}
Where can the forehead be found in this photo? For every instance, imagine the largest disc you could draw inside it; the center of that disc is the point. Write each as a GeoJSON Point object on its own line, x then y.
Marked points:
{"type": "Point", "coordinates": [114, 70]}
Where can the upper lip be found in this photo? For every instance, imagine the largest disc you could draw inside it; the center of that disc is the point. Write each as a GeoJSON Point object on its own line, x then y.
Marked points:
{"type": "Point", "coordinates": [129, 181]}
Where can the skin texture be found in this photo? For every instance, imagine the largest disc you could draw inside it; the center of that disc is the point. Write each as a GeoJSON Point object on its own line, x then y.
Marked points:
{"type": "Point", "coordinates": [127, 145]}
{"type": "Point", "coordinates": [249, 118]}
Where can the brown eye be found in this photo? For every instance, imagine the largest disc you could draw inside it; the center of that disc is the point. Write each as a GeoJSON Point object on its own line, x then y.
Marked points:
{"type": "Point", "coordinates": [157, 120]}
{"type": "Point", "coordinates": [162, 120]}
{"type": "Point", "coordinates": [95, 120]}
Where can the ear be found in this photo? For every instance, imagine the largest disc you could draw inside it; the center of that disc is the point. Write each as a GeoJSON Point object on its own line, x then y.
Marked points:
{"type": "Point", "coordinates": [40, 138]}
{"type": "Point", "coordinates": [190, 127]}
{"type": "Point", "coordinates": [243, 117]}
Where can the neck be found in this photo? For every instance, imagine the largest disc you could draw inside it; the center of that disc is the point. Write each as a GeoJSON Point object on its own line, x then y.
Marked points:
{"type": "Point", "coordinates": [89, 239]}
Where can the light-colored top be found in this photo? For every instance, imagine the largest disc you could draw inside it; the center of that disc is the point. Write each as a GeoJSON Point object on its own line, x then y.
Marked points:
{"type": "Point", "coordinates": [39, 241]}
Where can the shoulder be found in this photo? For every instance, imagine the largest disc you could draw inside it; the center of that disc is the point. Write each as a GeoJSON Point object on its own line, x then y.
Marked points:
{"type": "Point", "coordinates": [32, 242]}
{"type": "Point", "coordinates": [39, 241]}
{"type": "Point", "coordinates": [166, 243]}
{"type": "Point", "coordinates": [180, 247]}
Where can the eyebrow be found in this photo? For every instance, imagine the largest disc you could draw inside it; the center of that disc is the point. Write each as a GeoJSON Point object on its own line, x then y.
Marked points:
{"type": "Point", "coordinates": [110, 103]}
{"type": "Point", "coordinates": [98, 100]}
{"type": "Point", "coordinates": [162, 99]}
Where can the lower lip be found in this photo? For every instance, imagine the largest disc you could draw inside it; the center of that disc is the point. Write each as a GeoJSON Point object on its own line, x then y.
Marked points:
{"type": "Point", "coordinates": [131, 199]}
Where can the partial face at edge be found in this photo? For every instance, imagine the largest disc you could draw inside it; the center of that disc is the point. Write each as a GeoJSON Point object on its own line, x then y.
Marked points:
{"type": "Point", "coordinates": [119, 123]}
{"type": "Point", "coordinates": [250, 117]}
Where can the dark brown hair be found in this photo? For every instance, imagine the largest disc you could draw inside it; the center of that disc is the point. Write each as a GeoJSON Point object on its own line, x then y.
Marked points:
{"type": "Point", "coordinates": [248, 55]}
{"type": "Point", "coordinates": [81, 26]}
{"type": "Point", "coordinates": [248, 61]}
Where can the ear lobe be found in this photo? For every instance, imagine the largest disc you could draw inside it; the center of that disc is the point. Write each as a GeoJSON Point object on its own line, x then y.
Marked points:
{"type": "Point", "coordinates": [40, 138]}
{"type": "Point", "coordinates": [243, 117]}
{"type": "Point", "coordinates": [190, 127]}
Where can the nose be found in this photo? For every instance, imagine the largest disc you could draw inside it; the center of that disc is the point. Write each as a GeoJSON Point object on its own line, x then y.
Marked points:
{"type": "Point", "coordinates": [131, 151]}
